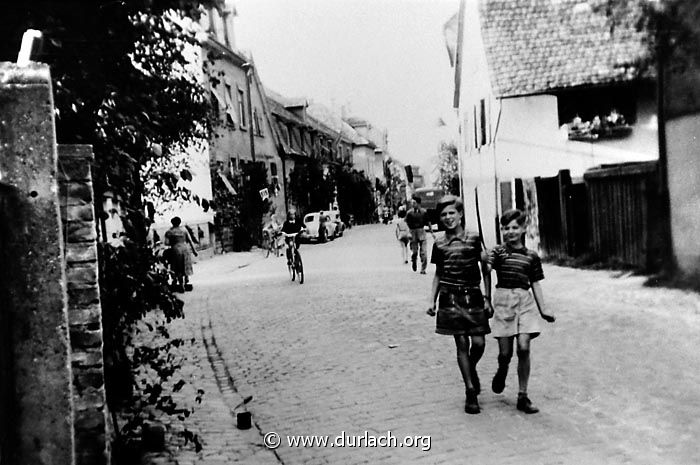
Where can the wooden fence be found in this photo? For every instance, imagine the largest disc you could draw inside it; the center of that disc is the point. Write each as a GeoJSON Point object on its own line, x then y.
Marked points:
{"type": "Point", "coordinates": [610, 217]}
{"type": "Point", "coordinates": [624, 213]}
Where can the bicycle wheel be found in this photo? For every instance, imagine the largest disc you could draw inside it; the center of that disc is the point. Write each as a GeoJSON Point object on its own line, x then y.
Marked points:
{"type": "Point", "coordinates": [299, 267]}
{"type": "Point", "coordinates": [292, 271]}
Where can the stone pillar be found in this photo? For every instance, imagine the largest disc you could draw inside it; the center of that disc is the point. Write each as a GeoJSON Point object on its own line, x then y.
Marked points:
{"type": "Point", "coordinates": [37, 292]}
{"type": "Point", "coordinates": [84, 311]}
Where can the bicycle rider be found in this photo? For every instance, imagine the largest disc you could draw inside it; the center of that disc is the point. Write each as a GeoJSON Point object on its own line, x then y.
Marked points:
{"type": "Point", "coordinates": [272, 229]}
{"type": "Point", "coordinates": [293, 225]}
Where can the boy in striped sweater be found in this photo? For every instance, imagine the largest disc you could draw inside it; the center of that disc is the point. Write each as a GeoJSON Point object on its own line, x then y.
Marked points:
{"type": "Point", "coordinates": [517, 311]}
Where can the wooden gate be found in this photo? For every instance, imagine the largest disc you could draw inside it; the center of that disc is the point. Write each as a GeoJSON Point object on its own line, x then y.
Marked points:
{"type": "Point", "coordinates": [563, 216]}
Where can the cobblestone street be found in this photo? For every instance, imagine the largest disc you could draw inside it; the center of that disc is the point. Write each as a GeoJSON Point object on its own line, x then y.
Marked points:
{"type": "Point", "coordinates": [352, 350]}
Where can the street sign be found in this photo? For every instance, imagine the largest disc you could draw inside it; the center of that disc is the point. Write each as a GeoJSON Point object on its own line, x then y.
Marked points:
{"type": "Point", "coordinates": [264, 194]}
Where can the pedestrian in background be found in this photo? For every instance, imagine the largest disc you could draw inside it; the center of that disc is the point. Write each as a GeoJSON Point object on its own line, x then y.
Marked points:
{"type": "Point", "coordinates": [517, 311]}
{"type": "Point", "coordinates": [417, 219]}
{"type": "Point", "coordinates": [403, 233]}
{"type": "Point", "coordinates": [180, 242]}
{"type": "Point", "coordinates": [462, 311]}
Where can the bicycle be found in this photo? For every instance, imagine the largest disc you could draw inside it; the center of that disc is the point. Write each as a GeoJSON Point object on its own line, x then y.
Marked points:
{"type": "Point", "coordinates": [271, 243]}
{"type": "Point", "coordinates": [294, 263]}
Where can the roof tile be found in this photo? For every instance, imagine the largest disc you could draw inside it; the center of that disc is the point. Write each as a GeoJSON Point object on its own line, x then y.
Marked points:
{"type": "Point", "coordinates": [533, 46]}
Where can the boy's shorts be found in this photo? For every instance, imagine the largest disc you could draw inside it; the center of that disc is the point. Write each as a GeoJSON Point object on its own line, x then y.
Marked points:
{"type": "Point", "coordinates": [515, 312]}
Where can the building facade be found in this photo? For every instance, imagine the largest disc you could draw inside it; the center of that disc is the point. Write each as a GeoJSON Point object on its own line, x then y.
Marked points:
{"type": "Point", "coordinates": [242, 132]}
{"type": "Point", "coordinates": [537, 84]}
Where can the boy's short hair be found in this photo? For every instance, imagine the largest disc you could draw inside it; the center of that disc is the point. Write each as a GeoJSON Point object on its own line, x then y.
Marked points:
{"type": "Point", "coordinates": [448, 200]}
{"type": "Point", "coordinates": [401, 213]}
{"type": "Point", "coordinates": [513, 215]}
{"type": "Point", "coordinates": [416, 198]}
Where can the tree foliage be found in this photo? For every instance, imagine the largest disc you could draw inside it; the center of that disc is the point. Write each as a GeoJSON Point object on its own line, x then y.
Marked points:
{"type": "Point", "coordinates": [121, 83]}
{"type": "Point", "coordinates": [310, 188]}
{"type": "Point", "coordinates": [670, 27]}
{"type": "Point", "coordinates": [355, 195]}
{"type": "Point", "coordinates": [447, 167]}
{"type": "Point", "coordinates": [671, 31]}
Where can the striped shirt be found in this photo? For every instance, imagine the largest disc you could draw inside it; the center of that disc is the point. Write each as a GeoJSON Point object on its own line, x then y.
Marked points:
{"type": "Point", "coordinates": [457, 259]}
{"type": "Point", "coordinates": [515, 268]}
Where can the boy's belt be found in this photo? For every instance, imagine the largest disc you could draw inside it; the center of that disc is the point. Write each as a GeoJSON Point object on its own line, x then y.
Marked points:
{"type": "Point", "coordinates": [459, 287]}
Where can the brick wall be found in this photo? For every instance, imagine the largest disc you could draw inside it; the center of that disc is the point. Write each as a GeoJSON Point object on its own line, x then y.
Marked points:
{"type": "Point", "coordinates": [84, 312]}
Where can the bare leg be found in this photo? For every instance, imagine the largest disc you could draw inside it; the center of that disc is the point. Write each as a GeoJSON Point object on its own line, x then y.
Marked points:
{"type": "Point", "coordinates": [475, 352]}
{"type": "Point", "coordinates": [462, 343]}
{"type": "Point", "coordinates": [523, 362]}
{"type": "Point", "coordinates": [472, 404]}
{"type": "Point", "coordinates": [505, 353]}
{"type": "Point", "coordinates": [524, 403]}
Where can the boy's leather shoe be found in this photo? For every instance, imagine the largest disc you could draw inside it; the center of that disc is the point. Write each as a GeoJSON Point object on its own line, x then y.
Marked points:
{"type": "Point", "coordinates": [471, 405]}
{"type": "Point", "coordinates": [499, 380]}
{"type": "Point", "coordinates": [524, 404]}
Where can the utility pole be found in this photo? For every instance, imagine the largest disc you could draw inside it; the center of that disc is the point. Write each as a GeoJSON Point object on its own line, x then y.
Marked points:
{"type": "Point", "coordinates": [668, 261]}
{"type": "Point", "coordinates": [248, 68]}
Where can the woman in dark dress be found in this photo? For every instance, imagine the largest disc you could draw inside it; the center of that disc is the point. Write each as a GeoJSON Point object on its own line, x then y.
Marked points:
{"type": "Point", "coordinates": [180, 258]}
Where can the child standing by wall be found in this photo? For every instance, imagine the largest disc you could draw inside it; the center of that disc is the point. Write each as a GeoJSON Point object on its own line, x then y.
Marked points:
{"type": "Point", "coordinates": [462, 311]}
{"type": "Point", "coordinates": [403, 233]}
{"type": "Point", "coordinates": [516, 313]}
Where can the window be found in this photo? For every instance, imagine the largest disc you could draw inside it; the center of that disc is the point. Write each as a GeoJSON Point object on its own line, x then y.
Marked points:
{"type": "Point", "coordinates": [589, 103]}
{"type": "Point", "coordinates": [241, 108]}
{"type": "Point", "coordinates": [230, 117]}
{"type": "Point", "coordinates": [215, 104]}
{"type": "Point", "coordinates": [482, 121]}
{"type": "Point", "coordinates": [480, 127]}
{"type": "Point", "coordinates": [257, 123]}
{"type": "Point", "coordinates": [599, 113]}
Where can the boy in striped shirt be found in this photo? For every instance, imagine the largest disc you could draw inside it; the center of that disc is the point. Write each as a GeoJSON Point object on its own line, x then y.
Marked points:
{"type": "Point", "coordinates": [517, 311]}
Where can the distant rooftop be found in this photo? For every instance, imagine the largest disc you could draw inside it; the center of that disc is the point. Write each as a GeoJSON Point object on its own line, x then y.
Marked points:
{"type": "Point", "coordinates": [533, 46]}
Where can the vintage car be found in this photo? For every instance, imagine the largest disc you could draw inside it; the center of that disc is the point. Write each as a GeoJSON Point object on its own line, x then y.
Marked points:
{"type": "Point", "coordinates": [319, 227]}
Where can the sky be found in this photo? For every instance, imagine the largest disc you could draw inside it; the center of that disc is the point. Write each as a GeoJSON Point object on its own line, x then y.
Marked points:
{"type": "Point", "coordinates": [383, 60]}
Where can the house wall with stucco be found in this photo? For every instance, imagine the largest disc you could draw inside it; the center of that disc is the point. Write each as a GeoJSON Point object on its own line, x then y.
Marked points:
{"type": "Point", "coordinates": [522, 137]}
{"type": "Point", "coordinates": [684, 190]}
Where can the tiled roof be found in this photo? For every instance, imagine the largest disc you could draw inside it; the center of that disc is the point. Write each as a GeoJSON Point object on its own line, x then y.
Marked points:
{"type": "Point", "coordinates": [334, 122]}
{"type": "Point", "coordinates": [533, 46]}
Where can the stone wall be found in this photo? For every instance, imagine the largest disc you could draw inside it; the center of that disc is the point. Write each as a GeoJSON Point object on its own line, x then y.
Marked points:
{"type": "Point", "coordinates": [84, 312]}
{"type": "Point", "coordinates": [33, 276]}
